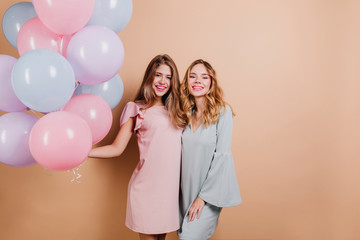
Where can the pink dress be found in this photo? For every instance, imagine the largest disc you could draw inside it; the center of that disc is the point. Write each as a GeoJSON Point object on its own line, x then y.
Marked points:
{"type": "Point", "coordinates": [153, 192]}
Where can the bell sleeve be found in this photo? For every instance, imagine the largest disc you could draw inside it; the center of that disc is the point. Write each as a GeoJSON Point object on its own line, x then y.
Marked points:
{"type": "Point", "coordinates": [220, 187]}
{"type": "Point", "coordinates": [131, 109]}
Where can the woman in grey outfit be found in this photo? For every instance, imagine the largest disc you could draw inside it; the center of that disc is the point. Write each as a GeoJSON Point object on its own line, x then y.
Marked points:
{"type": "Point", "coordinates": [208, 180]}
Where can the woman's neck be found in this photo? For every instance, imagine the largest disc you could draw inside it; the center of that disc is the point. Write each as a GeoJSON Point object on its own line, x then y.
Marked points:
{"type": "Point", "coordinates": [200, 106]}
{"type": "Point", "coordinates": [158, 102]}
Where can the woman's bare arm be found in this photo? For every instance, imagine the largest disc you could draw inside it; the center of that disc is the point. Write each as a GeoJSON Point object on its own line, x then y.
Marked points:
{"type": "Point", "coordinates": [118, 146]}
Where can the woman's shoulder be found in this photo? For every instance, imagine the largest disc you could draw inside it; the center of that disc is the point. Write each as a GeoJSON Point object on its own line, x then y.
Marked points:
{"type": "Point", "coordinates": [130, 103]}
{"type": "Point", "coordinates": [132, 108]}
{"type": "Point", "coordinates": [225, 117]}
{"type": "Point", "coordinates": [226, 114]}
{"type": "Point", "coordinates": [226, 111]}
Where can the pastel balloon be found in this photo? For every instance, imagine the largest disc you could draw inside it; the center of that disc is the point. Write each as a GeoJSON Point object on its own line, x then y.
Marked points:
{"type": "Point", "coordinates": [43, 80]}
{"type": "Point", "coordinates": [35, 35]}
{"type": "Point", "coordinates": [60, 141]}
{"type": "Point", "coordinates": [113, 14]}
{"type": "Point", "coordinates": [14, 142]}
{"type": "Point", "coordinates": [96, 54]}
{"type": "Point", "coordinates": [9, 102]}
{"type": "Point", "coordinates": [95, 111]}
{"type": "Point", "coordinates": [64, 16]}
{"type": "Point", "coordinates": [14, 17]}
{"type": "Point", "coordinates": [111, 91]}
{"type": "Point", "coordinates": [64, 43]}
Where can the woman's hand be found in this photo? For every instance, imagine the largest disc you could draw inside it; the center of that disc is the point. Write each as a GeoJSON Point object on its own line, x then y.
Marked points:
{"type": "Point", "coordinates": [196, 208]}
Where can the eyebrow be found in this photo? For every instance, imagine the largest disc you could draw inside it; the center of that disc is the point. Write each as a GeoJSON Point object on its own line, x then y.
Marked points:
{"type": "Point", "coordinates": [161, 74]}
{"type": "Point", "coordinates": [200, 74]}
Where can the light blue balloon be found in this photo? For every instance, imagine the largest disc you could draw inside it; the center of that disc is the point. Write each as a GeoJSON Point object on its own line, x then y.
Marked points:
{"type": "Point", "coordinates": [43, 80]}
{"type": "Point", "coordinates": [113, 14]}
{"type": "Point", "coordinates": [111, 91]}
{"type": "Point", "coordinates": [14, 17]}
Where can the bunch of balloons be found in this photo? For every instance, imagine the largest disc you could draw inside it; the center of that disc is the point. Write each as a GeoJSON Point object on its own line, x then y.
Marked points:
{"type": "Point", "coordinates": [70, 56]}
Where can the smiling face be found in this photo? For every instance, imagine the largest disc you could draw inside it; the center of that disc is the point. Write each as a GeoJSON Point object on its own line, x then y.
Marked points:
{"type": "Point", "coordinates": [199, 81]}
{"type": "Point", "coordinates": [161, 83]}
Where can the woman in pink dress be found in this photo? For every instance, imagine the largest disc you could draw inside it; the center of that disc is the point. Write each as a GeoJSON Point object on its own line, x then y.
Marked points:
{"type": "Point", "coordinates": [157, 120]}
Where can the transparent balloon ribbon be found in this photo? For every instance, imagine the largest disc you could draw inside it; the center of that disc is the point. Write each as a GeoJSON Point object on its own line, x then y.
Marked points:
{"type": "Point", "coordinates": [76, 173]}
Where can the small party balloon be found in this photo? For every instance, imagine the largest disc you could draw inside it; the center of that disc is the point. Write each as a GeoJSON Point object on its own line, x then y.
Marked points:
{"type": "Point", "coordinates": [9, 102]}
{"type": "Point", "coordinates": [60, 141]}
{"type": "Point", "coordinates": [113, 14]}
{"type": "Point", "coordinates": [43, 80]}
{"type": "Point", "coordinates": [96, 54]}
{"type": "Point", "coordinates": [14, 143]}
{"type": "Point", "coordinates": [111, 91]}
{"type": "Point", "coordinates": [64, 16]}
{"type": "Point", "coordinates": [35, 35]}
{"type": "Point", "coordinates": [95, 111]}
{"type": "Point", "coordinates": [14, 17]}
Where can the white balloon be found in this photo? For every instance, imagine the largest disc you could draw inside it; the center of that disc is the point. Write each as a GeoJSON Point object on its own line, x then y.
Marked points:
{"type": "Point", "coordinates": [113, 14]}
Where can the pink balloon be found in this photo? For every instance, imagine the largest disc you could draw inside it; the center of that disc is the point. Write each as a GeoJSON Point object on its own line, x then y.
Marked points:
{"type": "Point", "coordinates": [60, 141]}
{"type": "Point", "coordinates": [64, 43]}
{"type": "Point", "coordinates": [95, 111]}
{"type": "Point", "coordinates": [64, 16]}
{"type": "Point", "coordinates": [35, 35]}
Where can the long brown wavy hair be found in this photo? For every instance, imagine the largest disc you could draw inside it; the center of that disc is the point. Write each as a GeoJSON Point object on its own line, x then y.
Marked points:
{"type": "Point", "coordinates": [213, 99]}
{"type": "Point", "coordinates": [171, 99]}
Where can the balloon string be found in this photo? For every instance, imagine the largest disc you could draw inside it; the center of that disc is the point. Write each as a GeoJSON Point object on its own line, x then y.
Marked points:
{"type": "Point", "coordinates": [48, 172]}
{"type": "Point", "coordinates": [76, 173]}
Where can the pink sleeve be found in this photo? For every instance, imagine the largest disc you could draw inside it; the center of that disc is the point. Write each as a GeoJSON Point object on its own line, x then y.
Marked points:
{"type": "Point", "coordinates": [131, 110]}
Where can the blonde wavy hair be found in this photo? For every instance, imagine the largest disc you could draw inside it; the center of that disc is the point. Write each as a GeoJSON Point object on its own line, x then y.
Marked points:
{"type": "Point", "coordinates": [171, 99]}
{"type": "Point", "coordinates": [213, 99]}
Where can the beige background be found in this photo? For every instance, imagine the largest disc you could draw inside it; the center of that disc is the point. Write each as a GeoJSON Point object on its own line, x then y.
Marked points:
{"type": "Point", "coordinates": [290, 69]}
